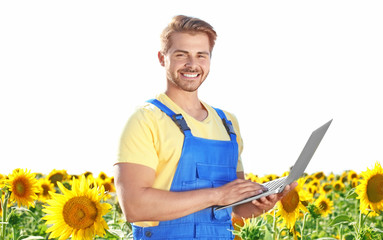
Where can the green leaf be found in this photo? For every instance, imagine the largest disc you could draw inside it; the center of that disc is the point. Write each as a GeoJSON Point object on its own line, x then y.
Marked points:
{"type": "Point", "coordinates": [26, 210]}
{"type": "Point", "coordinates": [31, 237]}
{"type": "Point", "coordinates": [351, 194]}
{"type": "Point", "coordinates": [342, 219]}
{"type": "Point", "coordinates": [114, 226]}
{"type": "Point", "coordinates": [116, 232]}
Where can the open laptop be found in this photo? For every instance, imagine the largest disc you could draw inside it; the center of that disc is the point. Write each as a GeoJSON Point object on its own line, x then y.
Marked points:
{"type": "Point", "coordinates": [277, 185]}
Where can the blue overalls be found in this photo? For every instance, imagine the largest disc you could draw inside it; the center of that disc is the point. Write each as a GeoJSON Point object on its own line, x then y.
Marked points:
{"type": "Point", "coordinates": [204, 163]}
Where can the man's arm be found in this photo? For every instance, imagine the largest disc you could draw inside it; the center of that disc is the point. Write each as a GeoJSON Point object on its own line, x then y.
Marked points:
{"type": "Point", "coordinates": [140, 202]}
{"type": "Point", "coordinates": [262, 205]}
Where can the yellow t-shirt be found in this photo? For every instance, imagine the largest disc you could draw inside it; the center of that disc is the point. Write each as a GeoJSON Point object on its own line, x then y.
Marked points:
{"type": "Point", "coordinates": [152, 138]}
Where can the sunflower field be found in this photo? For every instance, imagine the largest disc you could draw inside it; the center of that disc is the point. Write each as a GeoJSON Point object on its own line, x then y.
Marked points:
{"type": "Point", "coordinates": [63, 206]}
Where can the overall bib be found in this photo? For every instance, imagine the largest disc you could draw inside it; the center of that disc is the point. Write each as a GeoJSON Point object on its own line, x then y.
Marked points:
{"type": "Point", "coordinates": [204, 163]}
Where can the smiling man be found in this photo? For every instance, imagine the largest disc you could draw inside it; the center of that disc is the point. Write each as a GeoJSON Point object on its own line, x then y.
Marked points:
{"type": "Point", "coordinates": [180, 157]}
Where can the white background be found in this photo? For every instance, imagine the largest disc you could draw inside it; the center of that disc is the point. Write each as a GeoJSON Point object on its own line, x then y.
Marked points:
{"type": "Point", "coordinates": [72, 72]}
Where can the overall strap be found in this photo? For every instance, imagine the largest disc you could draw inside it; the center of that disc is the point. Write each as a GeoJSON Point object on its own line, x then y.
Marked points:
{"type": "Point", "coordinates": [177, 118]}
{"type": "Point", "coordinates": [228, 125]}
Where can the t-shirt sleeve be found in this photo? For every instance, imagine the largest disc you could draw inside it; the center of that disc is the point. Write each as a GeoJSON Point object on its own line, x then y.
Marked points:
{"type": "Point", "coordinates": [137, 140]}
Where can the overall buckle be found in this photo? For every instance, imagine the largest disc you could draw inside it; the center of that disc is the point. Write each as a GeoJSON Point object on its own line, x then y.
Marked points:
{"type": "Point", "coordinates": [180, 121]}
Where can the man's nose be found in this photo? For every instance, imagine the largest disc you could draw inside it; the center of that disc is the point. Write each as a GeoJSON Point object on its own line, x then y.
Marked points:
{"type": "Point", "coordinates": [190, 62]}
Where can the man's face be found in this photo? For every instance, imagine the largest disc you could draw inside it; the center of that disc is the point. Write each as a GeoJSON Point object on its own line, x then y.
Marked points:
{"type": "Point", "coordinates": [187, 61]}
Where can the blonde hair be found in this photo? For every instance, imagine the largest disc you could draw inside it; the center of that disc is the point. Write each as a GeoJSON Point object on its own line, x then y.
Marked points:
{"type": "Point", "coordinates": [185, 24]}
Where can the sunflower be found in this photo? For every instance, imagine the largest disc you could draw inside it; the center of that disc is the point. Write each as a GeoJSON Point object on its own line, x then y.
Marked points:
{"type": "Point", "coordinates": [108, 186]}
{"type": "Point", "coordinates": [344, 177]}
{"type": "Point", "coordinates": [338, 186]}
{"type": "Point", "coordinates": [319, 176]}
{"type": "Point", "coordinates": [2, 180]}
{"type": "Point", "coordinates": [324, 205]}
{"type": "Point", "coordinates": [57, 176]}
{"type": "Point", "coordinates": [326, 188]}
{"type": "Point", "coordinates": [330, 177]}
{"type": "Point", "coordinates": [252, 177]}
{"type": "Point", "coordinates": [272, 177]}
{"type": "Point", "coordinates": [102, 175]}
{"type": "Point", "coordinates": [354, 182]}
{"type": "Point", "coordinates": [370, 190]}
{"type": "Point", "coordinates": [308, 179]}
{"type": "Point", "coordinates": [352, 175]}
{"type": "Point", "coordinates": [312, 189]}
{"type": "Point", "coordinates": [263, 179]}
{"type": "Point", "coordinates": [291, 204]}
{"type": "Point", "coordinates": [315, 183]}
{"type": "Point", "coordinates": [77, 212]}
{"type": "Point", "coordinates": [24, 187]}
{"type": "Point", "coordinates": [285, 174]}
{"type": "Point", "coordinates": [45, 188]}
{"type": "Point", "coordinates": [87, 173]}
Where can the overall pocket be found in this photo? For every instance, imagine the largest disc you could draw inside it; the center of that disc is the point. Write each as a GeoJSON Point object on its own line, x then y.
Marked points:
{"type": "Point", "coordinates": [218, 175]}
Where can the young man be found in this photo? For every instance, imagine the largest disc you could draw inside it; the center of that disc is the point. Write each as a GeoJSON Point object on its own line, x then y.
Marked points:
{"type": "Point", "coordinates": [179, 157]}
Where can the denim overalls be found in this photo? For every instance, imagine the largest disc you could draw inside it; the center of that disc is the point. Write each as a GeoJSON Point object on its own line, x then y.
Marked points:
{"type": "Point", "coordinates": [204, 163]}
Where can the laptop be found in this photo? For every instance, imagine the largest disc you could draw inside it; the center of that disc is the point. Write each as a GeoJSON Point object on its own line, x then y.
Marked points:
{"type": "Point", "coordinates": [278, 185]}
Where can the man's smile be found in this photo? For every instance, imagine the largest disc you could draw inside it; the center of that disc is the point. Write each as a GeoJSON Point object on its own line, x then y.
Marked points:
{"type": "Point", "coordinates": [190, 75]}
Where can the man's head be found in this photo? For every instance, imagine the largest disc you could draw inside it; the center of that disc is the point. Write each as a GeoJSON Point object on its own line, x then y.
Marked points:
{"type": "Point", "coordinates": [186, 50]}
{"type": "Point", "coordinates": [185, 24]}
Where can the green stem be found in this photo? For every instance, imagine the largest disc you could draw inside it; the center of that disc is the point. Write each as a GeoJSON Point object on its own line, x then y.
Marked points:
{"type": "Point", "coordinates": [4, 206]}
{"type": "Point", "coordinates": [303, 224]}
{"type": "Point", "coordinates": [340, 231]}
{"type": "Point", "coordinates": [14, 233]}
{"type": "Point", "coordinates": [317, 225]}
{"type": "Point", "coordinates": [356, 207]}
{"type": "Point", "coordinates": [275, 226]}
{"type": "Point", "coordinates": [360, 222]}
{"type": "Point", "coordinates": [115, 214]}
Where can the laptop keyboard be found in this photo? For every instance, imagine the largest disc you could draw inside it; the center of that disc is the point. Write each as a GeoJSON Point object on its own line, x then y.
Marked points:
{"type": "Point", "coordinates": [274, 184]}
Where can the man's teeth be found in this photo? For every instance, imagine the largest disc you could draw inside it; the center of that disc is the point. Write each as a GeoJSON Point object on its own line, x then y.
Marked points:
{"type": "Point", "coordinates": [190, 75]}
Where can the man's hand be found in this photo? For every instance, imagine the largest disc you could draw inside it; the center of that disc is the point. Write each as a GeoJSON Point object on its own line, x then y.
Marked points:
{"type": "Point", "coordinates": [267, 203]}
{"type": "Point", "coordinates": [237, 190]}
{"type": "Point", "coordinates": [262, 205]}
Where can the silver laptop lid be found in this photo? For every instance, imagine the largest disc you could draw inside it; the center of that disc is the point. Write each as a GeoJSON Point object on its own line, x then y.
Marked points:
{"type": "Point", "coordinates": [307, 153]}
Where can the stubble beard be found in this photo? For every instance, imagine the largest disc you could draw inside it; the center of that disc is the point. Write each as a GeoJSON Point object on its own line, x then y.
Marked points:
{"type": "Point", "coordinates": [185, 85]}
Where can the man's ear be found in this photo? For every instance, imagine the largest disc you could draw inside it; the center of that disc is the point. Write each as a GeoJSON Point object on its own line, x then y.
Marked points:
{"type": "Point", "coordinates": [161, 58]}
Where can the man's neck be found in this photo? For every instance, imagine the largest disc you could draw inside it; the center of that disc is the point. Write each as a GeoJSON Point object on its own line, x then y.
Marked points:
{"type": "Point", "coordinates": [189, 102]}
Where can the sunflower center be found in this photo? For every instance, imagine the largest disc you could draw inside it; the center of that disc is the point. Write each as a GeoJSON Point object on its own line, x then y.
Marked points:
{"type": "Point", "coordinates": [375, 188]}
{"type": "Point", "coordinates": [327, 188]}
{"type": "Point", "coordinates": [80, 212]}
{"type": "Point", "coordinates": [323, 206]}
{"type": "Point", "coordinates": [107, 187]}
{"type": "Point", "coordinates": [20, 188]}
{"type": "Point", "coordinates": [45, 190]}
{"type": "Point", "coordinates": [290, 201]}
{"type": "Point", "coordinates": [58, 177]}
{"type": "Point", "coordinates": [319, 175]}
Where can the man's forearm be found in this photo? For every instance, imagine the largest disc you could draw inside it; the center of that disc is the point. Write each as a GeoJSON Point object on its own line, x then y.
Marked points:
{"type": "Point", "coordinates": [159, 205]}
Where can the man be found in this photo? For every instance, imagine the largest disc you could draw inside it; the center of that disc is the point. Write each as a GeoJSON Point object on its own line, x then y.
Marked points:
{"type": "Point", "coordinates": [179, 157]}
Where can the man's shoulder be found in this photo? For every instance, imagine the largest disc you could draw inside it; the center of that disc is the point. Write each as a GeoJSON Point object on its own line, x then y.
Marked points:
{"type": "Point", "coordinates": [144, 113]}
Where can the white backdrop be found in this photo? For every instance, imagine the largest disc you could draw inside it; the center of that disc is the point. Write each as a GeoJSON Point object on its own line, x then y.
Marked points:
{"type": "Point", "coordinates": [73, 71]}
